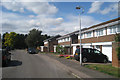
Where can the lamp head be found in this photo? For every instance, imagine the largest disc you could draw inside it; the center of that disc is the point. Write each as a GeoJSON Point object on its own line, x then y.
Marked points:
{"type": "Point", "coordinates": [78, 7]}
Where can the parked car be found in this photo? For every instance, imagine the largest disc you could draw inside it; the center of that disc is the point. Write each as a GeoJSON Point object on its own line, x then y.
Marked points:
{"type": "Point", "coordinates": [6, 57]}
{"type": "Point", "coordinates": [32, 51]}
{"type": "Point", "coordinates": [90, 55]}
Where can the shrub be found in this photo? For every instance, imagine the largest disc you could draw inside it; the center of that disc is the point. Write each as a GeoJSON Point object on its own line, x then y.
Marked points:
{"type": "Point", "coordinates": [118, 52]}
{"type": "Point", "coordinates": [60, 49]}
{"type": "Point", "coordinates": [117, 39]}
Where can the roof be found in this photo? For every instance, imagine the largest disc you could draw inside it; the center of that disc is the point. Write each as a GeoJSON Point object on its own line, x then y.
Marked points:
{"type": "Point", "coordinates": [86, 29]}
{"type": "Point", "coordinates": [69, 34]}
{"type": "Point", "coordinates": [57, 36]}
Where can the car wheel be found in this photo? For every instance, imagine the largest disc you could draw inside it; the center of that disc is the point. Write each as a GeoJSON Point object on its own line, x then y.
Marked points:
{"type": "Point", "coordinates": [85, 59]}
{"type": "Point", "coordinates": [105, 61]}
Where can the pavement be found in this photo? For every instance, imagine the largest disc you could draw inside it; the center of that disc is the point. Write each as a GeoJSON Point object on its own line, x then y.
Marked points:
{"type": "Point", "coordinates": [80, 71]}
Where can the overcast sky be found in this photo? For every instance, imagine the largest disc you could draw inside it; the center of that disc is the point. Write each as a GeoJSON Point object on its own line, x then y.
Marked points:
{"type": "Point", "coordinates": [54, 17]}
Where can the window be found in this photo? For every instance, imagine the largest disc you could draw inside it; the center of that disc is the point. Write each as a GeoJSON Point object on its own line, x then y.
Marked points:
{"type": "Point", "coordinates": [118, 28]}
{"type": "Point", "coordinates": [67, 39]}
{"type": "Point", "coordinates": [113, 29]}
{"type": "Point", "coordinates": [88, 34]}
{"type": "Point", "coordinates": [82, 36]}
{"type": "Point", "coordinates": [99, 32]}
{"type": "Point", "coordinates": [96, 52]}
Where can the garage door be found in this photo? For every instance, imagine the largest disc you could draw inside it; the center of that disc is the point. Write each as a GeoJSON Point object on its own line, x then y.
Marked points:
{"type": "Point", "coordinates": [74, 48]}
{"type": "Point", "coordinates": [107, 50]}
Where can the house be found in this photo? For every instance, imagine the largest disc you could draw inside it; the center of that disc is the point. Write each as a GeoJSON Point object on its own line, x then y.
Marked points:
{"type": "Point", "coordinates": [100, 36]}
{"type": "Point", "coordinates": [67, 40]}
{"type": "Point", "coordinates": [49, 44]}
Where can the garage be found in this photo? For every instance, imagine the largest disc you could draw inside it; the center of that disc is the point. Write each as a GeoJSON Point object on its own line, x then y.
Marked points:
{"type": "Point", "coordinates": [107, 50]}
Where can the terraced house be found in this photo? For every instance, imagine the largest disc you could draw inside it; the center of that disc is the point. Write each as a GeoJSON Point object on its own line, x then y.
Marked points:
{"type": "Point", "coordinates": [49, 44]}
{"type": "Point", "coordinates": [100, 36]}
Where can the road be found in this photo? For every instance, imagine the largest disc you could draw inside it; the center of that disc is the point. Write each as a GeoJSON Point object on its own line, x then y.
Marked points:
{"type": "Point", "coordinates": [24, 65]}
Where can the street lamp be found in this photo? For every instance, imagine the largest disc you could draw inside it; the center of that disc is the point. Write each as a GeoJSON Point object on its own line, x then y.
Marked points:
{"type": "Point", "coordinates": [79, 7]}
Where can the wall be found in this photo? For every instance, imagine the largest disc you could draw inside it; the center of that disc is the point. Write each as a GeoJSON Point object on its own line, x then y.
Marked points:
{"type": "Point", "coordinates": [51, 45]}
{"type": "Point", "coordinates": [65, 43]}
{"type": "Point", "coordinates": [115, 61]}
{"type": "Point", "coordinates": [45, 49]}
{"type": "Point", "coordinates": [107, 38]}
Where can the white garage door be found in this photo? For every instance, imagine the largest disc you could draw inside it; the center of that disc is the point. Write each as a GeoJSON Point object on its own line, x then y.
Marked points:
{"type": "Point", "coordinates": [107, 50]}
{"type": "Point", "coordinates": [86, 46]}
{"type": "Point", "coordinates": [74, 48]}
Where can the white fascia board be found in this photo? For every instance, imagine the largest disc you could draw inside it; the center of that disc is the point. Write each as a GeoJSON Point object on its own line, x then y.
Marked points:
{"type": "Point", "coordinates": [102, 43]}
{"type": "Point", "coordinates": [99, 43]}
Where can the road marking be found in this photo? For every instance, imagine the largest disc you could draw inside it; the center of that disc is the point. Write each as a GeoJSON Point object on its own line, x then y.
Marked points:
{"type": "Point", "coordinates": [76, 76]}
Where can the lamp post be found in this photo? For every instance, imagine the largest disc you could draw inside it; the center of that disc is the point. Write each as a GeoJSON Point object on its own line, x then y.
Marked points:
{"type": "Point", "coordinates": [79, 7]}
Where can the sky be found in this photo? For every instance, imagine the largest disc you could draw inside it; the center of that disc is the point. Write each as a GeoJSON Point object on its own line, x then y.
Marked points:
{"type": "Point", "coordinates": [54, 17]}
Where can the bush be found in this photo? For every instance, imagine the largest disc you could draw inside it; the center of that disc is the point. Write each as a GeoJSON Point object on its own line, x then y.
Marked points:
{"type": "Point", "coordinates": [118, 52]}
{"type": "Point", "coordinates": [60, 49]}
{"type": "Point", "coordinates": [117, 39]}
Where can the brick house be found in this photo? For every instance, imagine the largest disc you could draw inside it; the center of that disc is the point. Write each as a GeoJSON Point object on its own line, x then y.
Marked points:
{"type": "Point", "coordinates": [67, 40]}
{"type": "Point", "coordinates": [100, 36]}
{"type": "Point", "coordinates": [49, 44]}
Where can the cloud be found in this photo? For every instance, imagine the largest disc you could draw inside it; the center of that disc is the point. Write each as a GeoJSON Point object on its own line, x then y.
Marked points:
{"type": "Point", "coordinates": [40, 7]}
{"type": "Point", "coordinates": [73, 25]}
{"type": "Point", "coordinates": [110, 8]}
{"type": "Point", "coordinates": [35, 7]}
{"type": "Point", "coordinates": [44, 19]}
{"type": "Point", "coordinates": [13, 6]}
{"type": "Point", "coordinates": [95, 7]}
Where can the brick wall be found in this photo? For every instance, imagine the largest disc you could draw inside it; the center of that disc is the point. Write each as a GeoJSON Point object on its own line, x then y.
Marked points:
{"type": "Point", "coordinates": [51, 45]}
{"type": "Point", "coordinates": [106, 38]}
{"type": "Point", "coordinates": [65, 43]}
{"type": "Point", "coordinates": [45, 49]}
{"type": "Point", "coordinates": [115, 61]}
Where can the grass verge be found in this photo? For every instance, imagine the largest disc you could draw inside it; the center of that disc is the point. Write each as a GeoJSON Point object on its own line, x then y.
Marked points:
{"type": "Point", "coordinates": [108, 69]}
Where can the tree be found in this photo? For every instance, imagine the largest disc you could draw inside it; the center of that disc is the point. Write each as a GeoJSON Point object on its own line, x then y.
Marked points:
{"type": "Point", "coordinates": [33, 38]}
{"type": "Point", "coordinates": [20, 41]}
{"type": "Point", "coordinates": [14, 40]}
{"type": "Point", "coordinates": [10, 39]}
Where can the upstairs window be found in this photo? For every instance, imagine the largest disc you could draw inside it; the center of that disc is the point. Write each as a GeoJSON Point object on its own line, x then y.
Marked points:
{"type": "Point", "coordinates": [89, 34]}
{"type": "Point", "coordinates": [99, 32]}
{"type": "Point", "coordinates": [113, 29]}
{"type": "Point", "coordinates": [118, 28]}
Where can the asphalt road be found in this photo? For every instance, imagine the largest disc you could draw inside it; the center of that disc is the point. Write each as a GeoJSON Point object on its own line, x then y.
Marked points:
{"type": "Point", "coordinates": [24, 65]}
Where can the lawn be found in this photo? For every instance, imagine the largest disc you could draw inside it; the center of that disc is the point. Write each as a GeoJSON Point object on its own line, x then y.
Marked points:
{"type": "Point", "coordinates": [108, 69]}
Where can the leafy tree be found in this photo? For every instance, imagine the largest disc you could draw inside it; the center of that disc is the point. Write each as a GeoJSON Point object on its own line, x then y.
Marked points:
{"type": "Point", "coordinates": [33, 38]}
{"type": "Point", "coordinates": [10, 39]}
{"type": "Point", "coordinates": [20, 41]}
